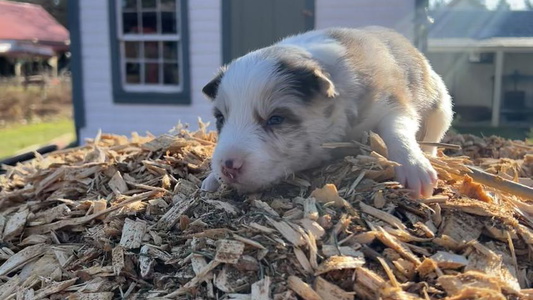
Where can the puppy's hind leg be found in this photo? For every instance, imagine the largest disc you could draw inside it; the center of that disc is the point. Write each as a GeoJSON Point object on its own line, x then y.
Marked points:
{"type": "Point", "coordinates": [435, 125]}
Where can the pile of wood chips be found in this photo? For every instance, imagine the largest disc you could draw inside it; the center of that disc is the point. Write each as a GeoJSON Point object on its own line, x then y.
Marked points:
{"type": "Point", "coordinates": [123, 218]}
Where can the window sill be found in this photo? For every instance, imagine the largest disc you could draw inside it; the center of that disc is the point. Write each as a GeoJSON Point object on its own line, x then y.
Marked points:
{"type": "Point", "coordinates": [150, 98]}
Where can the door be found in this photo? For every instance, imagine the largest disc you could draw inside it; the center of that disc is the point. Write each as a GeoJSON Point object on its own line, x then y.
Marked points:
{"type": "Point", "coordinates": [253, 24]}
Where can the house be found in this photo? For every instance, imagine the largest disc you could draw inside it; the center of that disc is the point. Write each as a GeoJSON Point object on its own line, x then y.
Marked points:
{"type": "Point", "coordinates": [141, 65]}
{"type": "Point", "coordinates": [486, 60]}
{"type": "Point", "coordinates": [28, 33]}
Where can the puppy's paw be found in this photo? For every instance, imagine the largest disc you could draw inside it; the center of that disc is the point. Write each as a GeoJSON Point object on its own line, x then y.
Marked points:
{"type": "Point", "coordinates": [417, 175]}
{"type": "Point", "coordinates": [210, 183]}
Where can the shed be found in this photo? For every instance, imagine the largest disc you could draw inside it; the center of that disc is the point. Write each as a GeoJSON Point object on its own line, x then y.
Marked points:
{"type": "Point", "coordinates": [28, 31]}
{"type": "Point", "coordinates": [486, 60]}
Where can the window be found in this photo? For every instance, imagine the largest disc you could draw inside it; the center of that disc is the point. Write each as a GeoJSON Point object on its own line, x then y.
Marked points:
{"type": "Point", "coordinates": [149, 45]}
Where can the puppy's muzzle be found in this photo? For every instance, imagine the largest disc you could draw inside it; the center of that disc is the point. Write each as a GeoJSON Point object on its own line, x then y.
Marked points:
{"type": "Point", "coordinates": [231, 168]}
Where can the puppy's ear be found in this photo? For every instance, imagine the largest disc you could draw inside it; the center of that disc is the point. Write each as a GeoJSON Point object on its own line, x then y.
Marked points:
{"type": "Point", "coordinates": [325, 84]}
{"type": "Point", "coordinates": [211, 89]}
{"type": "Point", "coordinates": [308, 80]}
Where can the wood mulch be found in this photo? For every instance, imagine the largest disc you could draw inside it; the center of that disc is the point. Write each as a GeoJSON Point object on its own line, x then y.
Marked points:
{"type": "Point", "coordinates": [123, 218]}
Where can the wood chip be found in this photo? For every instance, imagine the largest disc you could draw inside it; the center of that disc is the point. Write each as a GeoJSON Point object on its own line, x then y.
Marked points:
{"type": "Point", "coordinates": [339, 263]}
{"type": "Point", "coordinates": [293, 236]}
{"type": "Point", "coordinates": [396, 245]}
{"type": "Point", "coordinates": [328, 290]}
{"type": "Point", "coordinates": [392, 220]}
{"type": "Point", "coordinates": [22, 257]}
{"type": "Point", "coordinates": [261, 289]}
{"type": "Point", "coordinates": [15, 224]}
{"type": "Point", "coordinates": [229, 251]}
{"type": "Point", "coordinates": [448, 260]}
{"type": "Point", "coordinates": [132, 233]}
{"type": "Point", "coordinates": [54, 288]}
{"type": "Point", "coordinates": [327, 194]}
{"type": "Point", "coordinates": [302, 289]}
{"type": "Point", "coordinates": [117, 184]}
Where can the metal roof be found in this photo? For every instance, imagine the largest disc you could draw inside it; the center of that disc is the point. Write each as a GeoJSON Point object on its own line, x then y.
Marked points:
{"type": "Point", "coordinates": [30, 22]}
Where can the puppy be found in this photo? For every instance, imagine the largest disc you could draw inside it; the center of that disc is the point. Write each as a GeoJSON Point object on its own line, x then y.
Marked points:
{"type": "Point", "coordinates": [276, 106]}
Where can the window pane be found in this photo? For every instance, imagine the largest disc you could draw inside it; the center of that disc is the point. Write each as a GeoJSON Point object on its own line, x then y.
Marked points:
{"type": "Point", "coordinates": [131, 49]}
{"type": "Point", "coordinates": [151, 50]}
{"type": "Point", "coordinates": [170, 50]}
{"type": "Point", "coordinates": [151, 74]}
{"type": "Point", "coordinates": [169, 24]}
{"type": "Point", "coordinates": [129, 4]}
{"type": "Point", "coordinates": [148, 3]}
{"type": "Point", "coordinates": [133, 73]}
{"type": "Point", "coordinates": [149, 22]}
{"type": "Point", "coordinates": [169, 5]}
{"type": "Point", "coordinates": [130, 23]}
{"type": "Point", "coordinates": [171, 73]}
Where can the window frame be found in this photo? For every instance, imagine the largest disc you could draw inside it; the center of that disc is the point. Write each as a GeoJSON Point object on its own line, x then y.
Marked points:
{"type": "Point", "coordinates": [149, 93]}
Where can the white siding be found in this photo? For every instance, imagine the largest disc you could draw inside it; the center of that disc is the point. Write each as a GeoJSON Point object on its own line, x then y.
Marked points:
{"type": "Point", "coordinates": [397, 14]}
{"type": "Point", "coordinates": [102, 113]}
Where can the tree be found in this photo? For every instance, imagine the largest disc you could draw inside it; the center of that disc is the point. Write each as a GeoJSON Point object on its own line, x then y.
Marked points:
{"type": "Point", "coordinates": [57, 8]}
{"type": "Point", "coordinates": [529, 4]}
{"type": "Point", "coordinates": [503, 5]}
{"type": "Point", "coordinates": [457, 4]}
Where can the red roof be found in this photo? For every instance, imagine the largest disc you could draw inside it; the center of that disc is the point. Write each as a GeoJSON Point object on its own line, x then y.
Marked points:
{"type": "Point", "coordinates": [24, 21]}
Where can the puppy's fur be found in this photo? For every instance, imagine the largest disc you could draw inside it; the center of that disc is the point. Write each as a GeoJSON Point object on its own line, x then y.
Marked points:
{"type": "Point", "coordinates": [275, 106]}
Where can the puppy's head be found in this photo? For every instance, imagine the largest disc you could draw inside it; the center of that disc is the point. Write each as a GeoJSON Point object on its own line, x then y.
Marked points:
{"type": "Point", "coordinates": [273, 108]}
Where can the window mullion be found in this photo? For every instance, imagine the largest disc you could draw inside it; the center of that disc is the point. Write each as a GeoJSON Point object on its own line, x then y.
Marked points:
{"type": "Point", "coordinates": [159, 62]}
{"type": "Point", "coordinates": [150, 37]}
{"type": "Point", "coordinates": [142, 62]}
{"type": "Point", "coordinates": [139, 17]}
{"type": "Point", "coordinates": [158, 16]}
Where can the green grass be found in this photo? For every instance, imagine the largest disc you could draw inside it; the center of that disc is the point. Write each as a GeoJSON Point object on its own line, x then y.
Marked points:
{"type": "Point", "coordinates": [18, 137]}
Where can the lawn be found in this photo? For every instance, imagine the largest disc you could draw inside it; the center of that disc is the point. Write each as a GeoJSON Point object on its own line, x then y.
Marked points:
{"type": "Point", "coordinates": [17, 138]}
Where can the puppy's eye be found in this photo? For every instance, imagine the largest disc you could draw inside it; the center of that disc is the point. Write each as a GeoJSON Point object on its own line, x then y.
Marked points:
{"type": "Point", "coordinates": [275, 120]}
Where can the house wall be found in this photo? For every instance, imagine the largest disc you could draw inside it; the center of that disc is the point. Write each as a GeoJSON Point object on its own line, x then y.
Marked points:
{"type": "Point", "coordinates": [471, 84]}
{"type": "Point", "coordinates": [397, 14]}
{"type": "Point", "coordinates": [102, 113]}
{"type": "Point", "coordinates": [523, 62]}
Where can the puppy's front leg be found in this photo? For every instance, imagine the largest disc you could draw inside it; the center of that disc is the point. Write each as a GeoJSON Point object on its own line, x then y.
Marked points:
{"type": "Point", "coordinates": [398, 130]}
{"type": "Point", "coordinates": [210, 183]}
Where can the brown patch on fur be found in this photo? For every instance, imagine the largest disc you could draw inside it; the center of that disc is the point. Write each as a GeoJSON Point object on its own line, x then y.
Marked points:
{"type": "Point", "coordinates": [386, 62]}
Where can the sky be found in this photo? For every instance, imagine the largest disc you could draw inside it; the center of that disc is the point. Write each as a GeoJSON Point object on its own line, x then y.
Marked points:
{"type": "Point", "coordinates": [515, 4]}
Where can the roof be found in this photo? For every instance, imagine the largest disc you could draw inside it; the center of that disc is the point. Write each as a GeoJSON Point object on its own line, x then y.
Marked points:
{"type": "Point", "coordinates": [481, 24]}
{"type": "Point", "coordinates": [24, 49]}
{"type": "Point", "coordinates": [23, 21]}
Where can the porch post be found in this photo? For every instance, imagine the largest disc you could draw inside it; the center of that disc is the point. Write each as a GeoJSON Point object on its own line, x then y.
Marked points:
{"type": "Point", "coordinates": [497, 95]}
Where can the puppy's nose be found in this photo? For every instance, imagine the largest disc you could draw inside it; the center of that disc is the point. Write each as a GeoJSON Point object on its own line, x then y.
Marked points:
{"type": "Point", "coordinates": [231, 168]}
{"type": "Point", "coordinates": [234, 164]}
